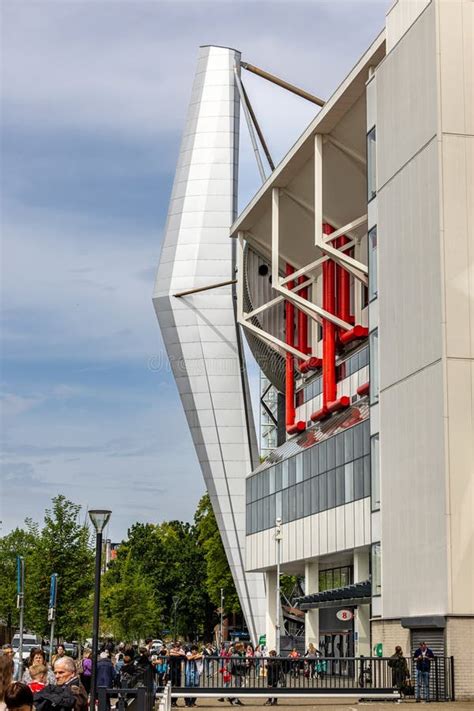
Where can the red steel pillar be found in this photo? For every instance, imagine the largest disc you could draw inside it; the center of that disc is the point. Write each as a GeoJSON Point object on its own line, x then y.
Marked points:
{"type": "Point", "coordinates": [329, 329]}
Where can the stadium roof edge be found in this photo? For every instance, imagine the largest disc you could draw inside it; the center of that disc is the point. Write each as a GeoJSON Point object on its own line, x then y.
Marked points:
{"type": "Point", "coordinates": [327, 118]}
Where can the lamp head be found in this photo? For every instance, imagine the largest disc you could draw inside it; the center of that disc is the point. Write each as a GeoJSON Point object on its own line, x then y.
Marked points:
{"type": "Point", "coordinates": [278, 521]}
{"type": "Point", "coordinates": [99, 519]}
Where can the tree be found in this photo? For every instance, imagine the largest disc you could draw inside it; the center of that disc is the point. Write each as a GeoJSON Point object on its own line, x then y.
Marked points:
{"type": "Point", "coordinates": [128, 601]}
{"type": "Point", "coordinates": [18, 542]}
{"type": "Point", "coordinates": [218, 574]}
{"type": "Point", "coordinates": [62, 546]}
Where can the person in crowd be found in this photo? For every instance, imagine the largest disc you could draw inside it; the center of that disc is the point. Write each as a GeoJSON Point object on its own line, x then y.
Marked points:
{"type": "Point", "coordinates": [68, 693]}
{"type": "Point", "coordinates": [224, 668]}
{"type": "Point", "coordinates": [237, 669]}
{"type": "Point", "coordinates": [161, 668]}
{"type": "Point", "coordinates": [423, 659]}
{"type": "Point", "coordinates": [274, 672]}
{"type": "Point", "coordinates": [38, 677]}
{"type": "Point", "coordinates": [105, 671]}
{"type": "Point", "coordinates": [119, 662]}
{"type": "Point", "coordinates": [177, 656]}
{"type": "Point", "coordinates": [144, 668]}
{"type": "Point", "coordinates": [207, 654]}
{"type": "Point", "coordinates": [19, 697]}
{"type": "Point", "coordinates": [37, 656]}
{"type": "Point", "coordinates": [250, 659]}
{"type": "Point", "coordinates": [127, 670]}
{"type": "Point", "coordinates": [258, 657]}
{"type": "Point", "coordinates": [60, 653]}
{"type": "Point", "coordinates": [86, 673]}
{"type": "Point", "coordinates": [311, 656]}
{"type": "Point", "coordinates": [6, 677]}
{"type": "Point", "coordinates": [294, 656]}
{"type": "Point", "coordinates": [192, 672]}
{"type": "Point", "coordinates": [9, 653]}
{"type": "Point", "coordinates": [399, 667]}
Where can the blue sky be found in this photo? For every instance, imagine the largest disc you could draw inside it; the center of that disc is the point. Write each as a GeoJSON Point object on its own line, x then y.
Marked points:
{"type": "Point", "coordinates": [94, 97]}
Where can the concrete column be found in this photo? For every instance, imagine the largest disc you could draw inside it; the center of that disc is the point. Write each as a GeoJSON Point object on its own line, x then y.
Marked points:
{"type": "Point", "coordinates": [270, 610]}
{"type": "Point", "coordinates": [311, 630]}
{"type": "Point", "coordinates": [362, 617]}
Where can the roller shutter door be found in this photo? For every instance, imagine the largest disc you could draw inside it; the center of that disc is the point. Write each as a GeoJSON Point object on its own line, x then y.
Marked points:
{"type": "Point", "coordinates": [434, 638]}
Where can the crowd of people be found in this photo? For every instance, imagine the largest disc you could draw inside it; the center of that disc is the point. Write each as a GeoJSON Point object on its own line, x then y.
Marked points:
{"type": "Point", "coordinates": [65, 684]}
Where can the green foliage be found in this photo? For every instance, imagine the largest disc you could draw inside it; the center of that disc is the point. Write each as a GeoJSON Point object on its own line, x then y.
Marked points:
{"type": "Point", "coordinates": [61, 546]}
{"type": "Point", "coordinates": [167, 559]}
{"type": "Point", "coordinates": [18, 542]}
{"type": "Point", "coordinates": [218, 573]}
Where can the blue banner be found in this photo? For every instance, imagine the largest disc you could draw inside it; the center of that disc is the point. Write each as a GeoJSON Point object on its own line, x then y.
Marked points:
{"type": "Point", "coordinates": [20, 575]}
{"type": "Point", "coordinates": [53, 591]}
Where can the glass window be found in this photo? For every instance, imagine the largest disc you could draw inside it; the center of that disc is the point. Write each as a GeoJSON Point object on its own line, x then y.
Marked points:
{"type": "Point", "coordinates": [323, 491]}
{"type": "Point", "coordinates": [339, 486]}
{"type": "Point", "coordinates": [331, 489]}
{"type": "Point", "coordinates": [299, 500]}
{"type": "Point", "coordinates": [272, 507]}
{"type": "Point", "coordinates": [331, 453]}
{"type": "Point", "coordinates": [336, 577]}
{"type": "Point", "coordinates": [315, 460]}
{"type": "Point", "coordinates": [373, 263]}
{"type": "Point", "coordinates": [260, 485]}
{"type": "Point", "coordinates": [314, 494]}
{"type": "Point", "coordinates": [349, 482]}
{"type": "Point", "coordinates": [291, 503]}
{"type": "Point", "coordinates": [271, 480]}
{"type": "Point", "coordinates": [371, 166]}
{"type": "Point", "coordinates": [345, 577]}
{"type": "Point", "coordinates": [348, 445]}
{"type": "Point", "coordinates": [375, 473]}
{"type": "Point", "coordinates": [284, 507]}
{"type": "Point", "coordinates": [322, 580]}
{"type": "Point", "coordinates": [248, 491]}
{"type": "Point", "coordinates": [374, 366]}
{"type": "Point", "coordinates": [363, 357]}
{"type": "Point", "coordinates": [307, 498]}
{"type": "Point", "coordinates": [307, 464]}
{"type": "Point", "coordinates": [260, 506]}
{"type": "Point", "coordinates": [366, 435]}
{"type": "Point", "coordinates": [253, 517]}
{"type": "Point", "coordinates": [266, 514]}
{"type": "Point", "coordinates": [366, 461]}
{"type": "Point", "coordinates": [291, 471]}
{"type": "Point", "coordinates": [358, 443]}
{"type": "Point", "coordinates": [376, 569]}
{"type": "Point", "coordinates": [339, 449]}
{"type": "Point", "coordinates": [266, 482]}
{"type": "Point", "coordinates": [284, 474]}
{"type": "Point", "coordinates": [278, 511]}
{"type": "Point", "coordinates": [322, 457]}
{"type": "Point", "coordinates": [278, 468]}
{"type": "Point", "coordinates": [299, 467]}
{"type": "Point", "coordinates": [358, 479]}
{"type": "Point", "coordinates": [329, 580]}
{"type": "Point", "coordinates": [248, 519]}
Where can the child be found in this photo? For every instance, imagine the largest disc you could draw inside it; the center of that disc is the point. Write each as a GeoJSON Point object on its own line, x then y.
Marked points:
{"type": "Point", "coordinates": [39, 675]}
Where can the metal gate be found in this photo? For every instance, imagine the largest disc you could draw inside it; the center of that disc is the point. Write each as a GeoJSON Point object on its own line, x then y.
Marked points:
{"type": "Point", "coordinates": [442, 671]}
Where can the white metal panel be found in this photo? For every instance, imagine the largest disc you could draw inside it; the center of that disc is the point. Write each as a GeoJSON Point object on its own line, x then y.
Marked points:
{"type": "Point", "coordinates": [407, 98]}
{"type": "Point", "coordinates": [400, 17]}
{"type": "Point", "coordinates": [196, 252]}
{"type": "Point", "coordinates": [409, 293]}
{"type": "Point", "coordinates": [412, 478]}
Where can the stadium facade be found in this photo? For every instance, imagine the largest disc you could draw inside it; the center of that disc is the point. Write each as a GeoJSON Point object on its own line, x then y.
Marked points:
{"type": "Point", "coordinates": [351, 274]}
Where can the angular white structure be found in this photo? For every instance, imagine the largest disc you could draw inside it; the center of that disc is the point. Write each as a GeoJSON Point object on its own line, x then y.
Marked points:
{"type": "Point", "coordinates": [199, 330]}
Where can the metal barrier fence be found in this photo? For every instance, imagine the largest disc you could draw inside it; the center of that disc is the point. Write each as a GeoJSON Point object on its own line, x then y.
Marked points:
{"type": "Point", "coordinates": [368, 677]}
{"type": "Point", "coordinates": [280, 677]}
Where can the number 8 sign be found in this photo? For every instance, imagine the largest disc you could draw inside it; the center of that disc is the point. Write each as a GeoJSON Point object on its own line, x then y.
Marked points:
{"type": "Point", "coordinates": [344, 615]}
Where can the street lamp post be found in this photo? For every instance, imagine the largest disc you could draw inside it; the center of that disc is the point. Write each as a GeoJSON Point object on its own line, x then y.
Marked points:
{"type": "Point", "coordinates": [175, 605]}
{"type": "Point", "coordinates": [278, 538]}
{"type": "Point", "coordinates": [99, 519]}
{"type": "Point", "coordinates": [221, 629]}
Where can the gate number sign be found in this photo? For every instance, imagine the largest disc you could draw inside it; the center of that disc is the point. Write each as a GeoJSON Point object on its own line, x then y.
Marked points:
{"type": "Point", "coordinates": [344, 615]}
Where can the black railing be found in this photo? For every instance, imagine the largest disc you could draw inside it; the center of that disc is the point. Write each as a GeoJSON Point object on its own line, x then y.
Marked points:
{"type": "Point", "coordinates": [230, 677]}
{"type": "Point", "coordinates": [361, 676]}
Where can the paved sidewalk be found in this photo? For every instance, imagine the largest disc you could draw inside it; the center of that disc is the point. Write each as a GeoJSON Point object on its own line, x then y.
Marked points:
{"type": "Point", "coordinates": [333, 705]}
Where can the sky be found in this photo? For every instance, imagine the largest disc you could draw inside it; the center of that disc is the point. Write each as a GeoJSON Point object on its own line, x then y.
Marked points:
{"type": "Point", "coordinates": [94, 96]}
